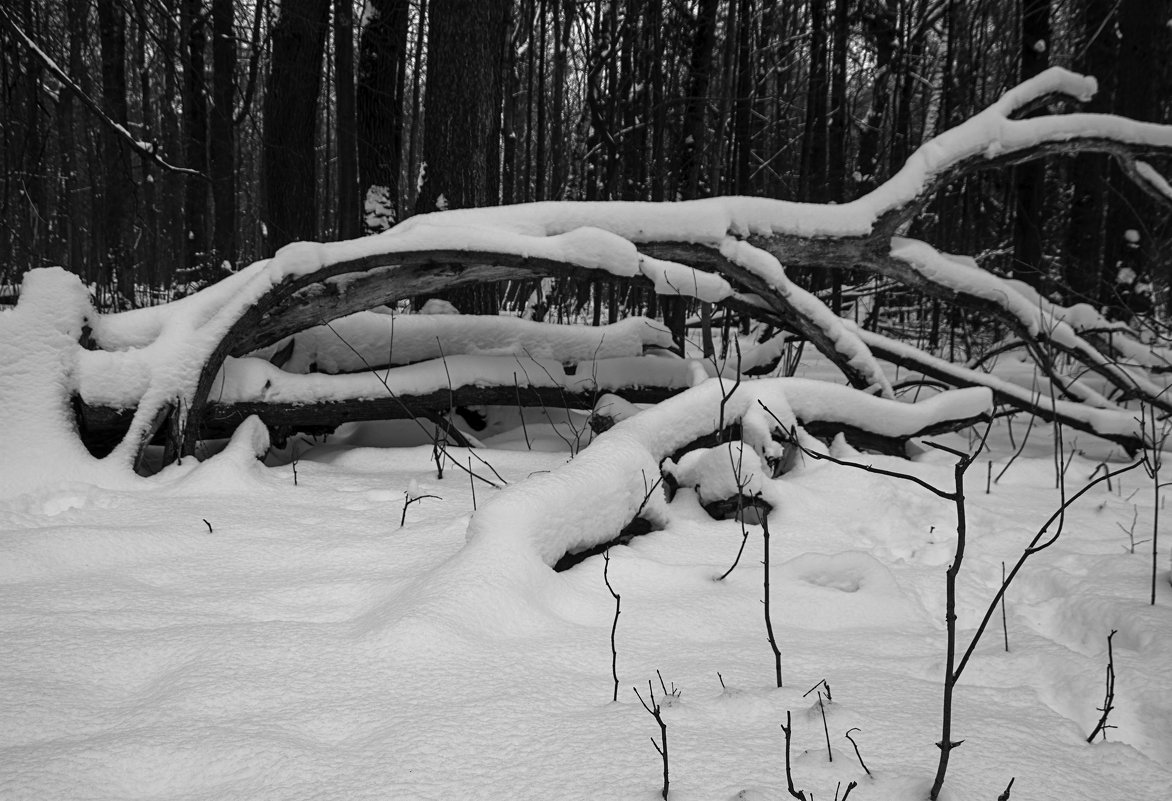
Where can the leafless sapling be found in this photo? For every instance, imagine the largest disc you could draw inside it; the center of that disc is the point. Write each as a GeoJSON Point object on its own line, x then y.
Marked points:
{"type": "Point", "coordinates": [614, 626]}
{"type": "Point", "coordinates": [856, 747]}
{"type": "Point", "coordinates": [787, 730]}
{"type": "Point", "coordinates": [768, 618]}
{"type": "Point", "coordinates": [1108, 696]}
{"type": "Point", "coordinates": [409, 499]}
{"type": "Point", "coordinates": [741, 483]}
{"type": "Point", "coordinates": [655, 711]}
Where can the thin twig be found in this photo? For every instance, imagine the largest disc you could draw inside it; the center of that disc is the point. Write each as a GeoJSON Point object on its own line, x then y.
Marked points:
{"type": "Point", "coordinates": [1109, 695]}
{"type": "Point", "coordinates": [614, 626]}
{"type": "Point", "coordinates": [856, 745]}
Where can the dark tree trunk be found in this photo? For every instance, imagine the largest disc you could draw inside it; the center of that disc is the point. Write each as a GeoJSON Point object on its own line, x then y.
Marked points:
{"type": "Point", "coordinates": [880, 27]}
{"type": "Point", "coordinates": [1030, 179]}
{"type": "Point", "coordinates": [348, 197]}
{"type": "Point", "coordinates": [223, 136]}
{"type": "Point", "coordinates": [836, 153]}
{"type": "Point", "coordinates": [695, 117]}
{"type": "Point", "coordinates": [150, 251]}
{"type": "Point", "coordinates": [812, 186]}
{"type": "Point", "coordinates": [1138, 70]}
{"type": "Point", "coordinates": [382, 62]}
{"type": "Point", "coordinates": [74, 228]}
{"type": "Point", "coordinates": [118, 184]}
{"type": "Point", "coordinates": [195, 134]}
{"type": "Point", "coordinates": [463, 54]}
{"type": "Point", "coordinates": [290, 111]}
{"type": "Point", "coordinates": [1088, 205]}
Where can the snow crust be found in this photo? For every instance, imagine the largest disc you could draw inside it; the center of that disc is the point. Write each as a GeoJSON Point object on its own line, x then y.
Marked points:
{"type": "Point", "coordinates": [366, 339]}
{"type": "Point", "coordinates": [543, 514]}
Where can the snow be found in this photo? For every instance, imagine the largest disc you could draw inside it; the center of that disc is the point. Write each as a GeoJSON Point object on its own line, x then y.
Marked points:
{"type": "Point", "coordinates": [301, 644]}
{"type": "Point", "coordinates": [361, 340]}
{"type": "Point", "coordinates": [260, 624]}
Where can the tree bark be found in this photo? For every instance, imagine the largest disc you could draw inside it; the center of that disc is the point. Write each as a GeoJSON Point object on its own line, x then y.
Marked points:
{"type": "Point", "coordinates": [812, 180]}
{"type": "Point", "coordinates": [118, 185]}
{"type": "Point", "coordinates": [195, 135]}
{"type": "Point", "coordinates": [1084, 234]}
{"type": "Point", "coordinates": [382, 69]}
{"type": "Point", "coordinates": [1030, 179]}
{"type": "Point", "coordinates": [290, 110]}
{"type": "Point", "coordinates": [462, 57]}
{"type": "Point", "coordinates": [344, 93]}
{"type": "Point", "coordinates": [223, 135]}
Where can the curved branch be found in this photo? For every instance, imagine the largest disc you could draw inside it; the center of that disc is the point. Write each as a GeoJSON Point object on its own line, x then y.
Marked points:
{"type": "Point", "coordinates": [144, 150]}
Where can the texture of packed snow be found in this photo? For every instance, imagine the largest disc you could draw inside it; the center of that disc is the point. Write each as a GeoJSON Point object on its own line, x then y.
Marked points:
{"type": "Point", "coordinates": [366, 339]}
{"type": "Point", "coordinates": [301, 644]}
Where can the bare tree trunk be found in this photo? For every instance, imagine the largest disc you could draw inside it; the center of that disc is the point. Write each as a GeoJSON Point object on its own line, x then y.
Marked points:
{"type": "Point", "coordinates": [812, 186]}
{"type": "Point", "coordinates": [880, 27]}
{"type": "Point", "coordinates": [348, 192]}
{"type": "Point", "coordinates": [118, 184]}
{"type": "Point", "coordinates": [462, 58]}
{"type": "Point", "coordinates": [382, 71]}
{"type": "Point", "coordinates": [1030, 179]}
{"type": "Point", "coordinates": [149, 188]}
{"type": "Point", "coordinates": [290, 111]}
{"type": "Point", "coordinates": [195, 134]}
{"type": "Point", "coordinates": [695, 118]}
{"type": "Point", "coordinates": [223, 134]}
{"type": "Point", "coordinates": [1088, 205]}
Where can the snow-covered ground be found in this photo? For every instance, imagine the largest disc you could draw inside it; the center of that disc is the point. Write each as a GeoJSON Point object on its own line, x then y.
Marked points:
{"type": "Point", "coordinates": [231, 630]}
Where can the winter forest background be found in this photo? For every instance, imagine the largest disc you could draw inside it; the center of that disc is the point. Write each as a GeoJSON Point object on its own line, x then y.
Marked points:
{"type": "Point", "coordinates": [314, 120]}
{"type": "Point", "coordinates": [389, 388]}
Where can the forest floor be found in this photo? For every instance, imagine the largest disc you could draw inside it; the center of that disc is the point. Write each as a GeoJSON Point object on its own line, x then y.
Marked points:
{"type": "Point", "coordinates": [231, 630]}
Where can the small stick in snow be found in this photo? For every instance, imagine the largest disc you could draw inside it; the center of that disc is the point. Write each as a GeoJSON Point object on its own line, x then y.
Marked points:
{"type": "Point", "coordinates": [989, 477]}
{"type": "Point", "coordinates": [472, 482]}
{"type": "Point", "coordinates": [1109, 696]}
{"type": "Point", "coordinates": [787, 729]}
{"type": "Point", "coordinates": [656, 712]}
{"type": "Point", "coordinates": [408, 500]}
{"type": "Point", "coordinates": [521, 412]}
{"type": "Point", "coordinates": [209, 525]}
{"type": "Point", "coordinates": [1008, 788]}
{"type": "Point", "coordinates": [847, 794]}
{"type": "Point", "coordinates": [768, 619]}
{"type": "Point", "coordinates": [618, 602]}
{"type": "Point", "coordinates": [821, 683]}
{"type": "Point", "coordinates": [825, 729]}
{"type": "Point", "coordinates": [856, 745]}
{"type": "Point", "coordinates": [1004, 627]}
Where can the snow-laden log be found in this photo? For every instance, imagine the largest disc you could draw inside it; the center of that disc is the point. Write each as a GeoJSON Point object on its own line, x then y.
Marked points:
{"type": "Point", "coordinates": [556, 513]}
{"type": "Point", "coordinates": [729, 250]}
{"type": "Point", "coordinates": [369, 340]}
{"type": "Point", "coordinates": [1113, 423]}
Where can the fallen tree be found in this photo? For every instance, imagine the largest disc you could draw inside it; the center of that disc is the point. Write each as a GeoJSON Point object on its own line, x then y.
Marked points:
{"type": "Point", "coordinates": [165, 368]}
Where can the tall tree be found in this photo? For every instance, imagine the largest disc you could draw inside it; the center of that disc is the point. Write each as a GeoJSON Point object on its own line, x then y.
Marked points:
{"type": "Point", "coordinates": [836, 153]}
{"type": "Point", "coordinates": [463, 56]}
{"type": "Point", "coordinates": [223, 137]}
{"type": "Point", "coordinates": [1140, 66]}
{"type": "Point", "coordinates": [382, 69]}
{"type": "Point", "coordinates": [348, 205]}
{"type": "Point", "coordinates": [1030, 189]}
{"type": "Point", "coordinates": [812, 185]}
{"type": "Point", "coordinates": [1097, 48]}
{"type": "Point", "coordinates": [288, 162]}
{"type": "Point", "coordinates": [695, 116]}
{"type": "Point", "coordinates": [118, 186]}
{"type": "Point", "coordinates": [195, 133]}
